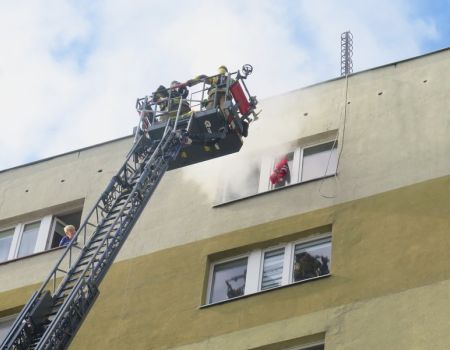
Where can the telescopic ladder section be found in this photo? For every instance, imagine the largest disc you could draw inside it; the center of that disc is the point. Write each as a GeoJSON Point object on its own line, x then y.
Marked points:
{"type": "Point", "coordinates": [55, 312]}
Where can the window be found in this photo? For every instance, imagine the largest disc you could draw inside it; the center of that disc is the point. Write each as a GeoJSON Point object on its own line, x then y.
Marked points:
{"type": "Point", "coordinates": [28, 239]}
{"type": "Point", "coordinates": [36, 236]}
{"type": "Point", "coordinates": [272, 269]}
{"type": "Point", "coordinates": [320, 346]}
{"type": "Point", "coordinates": [5, 325]}
{"type": "Point", "coordinates": [297, 165]}
{"type": "Point", "coordinates": [319, 161]}
{"type": "Point", "coordinates": [263, 269]}
{"type": "Point", "coordinates": [6, 237]}
{"type": "Point", "coordinates": [228, 280]}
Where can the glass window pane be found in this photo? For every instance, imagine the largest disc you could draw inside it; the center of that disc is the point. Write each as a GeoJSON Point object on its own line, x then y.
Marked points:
{"type": "Point", "coordinates": [5, 325]}
{"type": "Point", "coordinates": [319, 161]}
{"type": "Point", "coordinates": [312, 259]}
{"type": "Point", "coordinates": [314, 347]}
{"type": "Point", "coordinates": [29, 237]}
{"type": "Point", "coordinates": [5, 243]}
{"type": "Point", "coordinates": [228, 280]}
{"type": "Point", "coordinates": [272, 269]}
{"type": "Point", "coordinates": [57, 235]}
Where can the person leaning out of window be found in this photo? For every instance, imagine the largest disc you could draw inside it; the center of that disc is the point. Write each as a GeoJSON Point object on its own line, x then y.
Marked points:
{"type": "Point", "coordinates": [69, 230]}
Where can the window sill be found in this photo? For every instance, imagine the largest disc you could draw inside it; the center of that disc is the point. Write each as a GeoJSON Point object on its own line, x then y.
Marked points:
{"type": "Point", "coordinates": [218, 205]}
{"type": "Point", "coordinates": [205, 306]}
{"type": "Point", "coordinates": [29, 256]}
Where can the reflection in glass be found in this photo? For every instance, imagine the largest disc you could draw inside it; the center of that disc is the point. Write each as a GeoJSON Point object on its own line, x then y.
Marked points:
{"type": "Point", "coordinates": [312, 259]}
{"type": "Point", "coordinates": [58, 234]}
{"type": "Point", "coordinates": [319, 161]}
{"type": "Point", "coordinates": [228, 280]}
{"type": "Point", "coordinates": [272, 269]}
{"type": "Point", "coordinates": [29, 237]}
{"type": "Point", "coordinates": [5, 243]}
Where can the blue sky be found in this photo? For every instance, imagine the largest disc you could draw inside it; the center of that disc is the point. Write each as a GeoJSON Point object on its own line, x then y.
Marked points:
{"type": "Point", "coordinates": [70, 71]}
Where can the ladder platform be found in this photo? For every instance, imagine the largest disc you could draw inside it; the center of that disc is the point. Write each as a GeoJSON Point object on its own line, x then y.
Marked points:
{"type": "Point", "coordinates": [220, 138]}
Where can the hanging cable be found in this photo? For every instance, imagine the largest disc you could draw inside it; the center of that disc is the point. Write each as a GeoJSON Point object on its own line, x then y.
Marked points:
{"type": "Point", "coordinates": [342, 118]}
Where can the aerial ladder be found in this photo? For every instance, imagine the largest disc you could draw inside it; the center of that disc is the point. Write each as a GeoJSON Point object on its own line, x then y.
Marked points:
{"type": "Point", "coordinates": [163, 141]}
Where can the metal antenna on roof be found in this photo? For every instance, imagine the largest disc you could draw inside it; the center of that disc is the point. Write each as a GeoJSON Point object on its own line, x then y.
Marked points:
{"type": "Point", "coordinates": [346, 53]}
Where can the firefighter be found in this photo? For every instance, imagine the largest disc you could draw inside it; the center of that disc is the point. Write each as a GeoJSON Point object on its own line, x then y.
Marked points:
{"type": "Point", "coordinates": [217, 90]}
{"type": "Point", "coordinates": [218, 94]}
{"type": "Point", "coordinates": [280, 175]}
{"type": "Point", "coordinates": [168, 101]}
{"type": "Point", "coordinates": [179, 91]}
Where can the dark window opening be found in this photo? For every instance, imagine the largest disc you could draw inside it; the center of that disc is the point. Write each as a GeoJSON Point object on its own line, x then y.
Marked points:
{"type": "Point", "coordinates": [59, 221]}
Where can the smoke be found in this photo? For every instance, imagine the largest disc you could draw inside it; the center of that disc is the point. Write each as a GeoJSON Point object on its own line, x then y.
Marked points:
{"type": "Point", "coordinates": [271, 136]}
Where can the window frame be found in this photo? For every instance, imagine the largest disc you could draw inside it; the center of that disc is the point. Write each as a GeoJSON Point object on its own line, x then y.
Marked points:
{"type": "Point", "coordinates": [40, 245]}
{"type": "Point", "coordinates": [10, 251]}
{"type": "Point", "coordinates": [334, 145]}
{"type": "Point", "coordinates": [52, 232]}
{"type": "Point", "coordinates": [255, 264]}
{"type": "Point", "coordinates": [307, 346]}
{"type": "Point", "coordinates": [20, 237]}
{"type": "Point", "coordinates": [267, 164]}
{"type": "Point", "coordinates": [211, 274]}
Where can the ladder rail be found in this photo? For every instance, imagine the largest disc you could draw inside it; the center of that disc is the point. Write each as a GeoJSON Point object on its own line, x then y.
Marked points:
{"type": "Point", "coordinates": [116, 220]}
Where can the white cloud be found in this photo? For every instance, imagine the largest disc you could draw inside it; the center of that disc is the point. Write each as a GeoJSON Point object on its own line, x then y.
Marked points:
{"type": "Point", "coordinates": [70, 71]}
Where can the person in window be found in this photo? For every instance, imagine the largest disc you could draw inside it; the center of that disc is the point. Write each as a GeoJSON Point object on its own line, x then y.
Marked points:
{"type": "Point", "coordinates": [69, 230]}
{"type": "Point", "coordinates": [308, 266]}
{"type": "Point", "coordinates": [281, 175]}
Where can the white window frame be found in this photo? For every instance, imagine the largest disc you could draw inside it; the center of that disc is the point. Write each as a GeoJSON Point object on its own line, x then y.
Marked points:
{"type": "Point", "coordinates": [300, 174]}
{"type": "Point", "coordinates": [51, 232]}
{"type": "Point", "coordinates": [255, 263]}
{"type": "Point", "coordinates": [261, 266]}
{"type": "Point", "coordinates": [10, 252]}
{"type": "Point", "coordinates": [220, 262]}
{"type": "Point", "coordinates": [267, 164]}
{"type": "Point", "coordinates": [41, 239]}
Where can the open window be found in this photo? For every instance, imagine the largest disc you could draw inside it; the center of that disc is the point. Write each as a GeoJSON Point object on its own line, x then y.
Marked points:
{"type": "Point", "coordinates": [275, 170]}
{"type": "Point", "coordinates": [5, 325]}
{"type": "Point", "coordinates": [34, 236]}
{"type": "Point", "coordinates": [57, 229]}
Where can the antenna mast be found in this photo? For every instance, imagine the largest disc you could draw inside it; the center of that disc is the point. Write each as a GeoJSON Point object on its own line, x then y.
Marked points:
{"type": "Point", "coordinates": [346, 53]}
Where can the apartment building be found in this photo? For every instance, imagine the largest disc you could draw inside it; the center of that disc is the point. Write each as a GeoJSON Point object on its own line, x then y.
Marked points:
{"type": "Point", "coordinates": [349, 250]}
